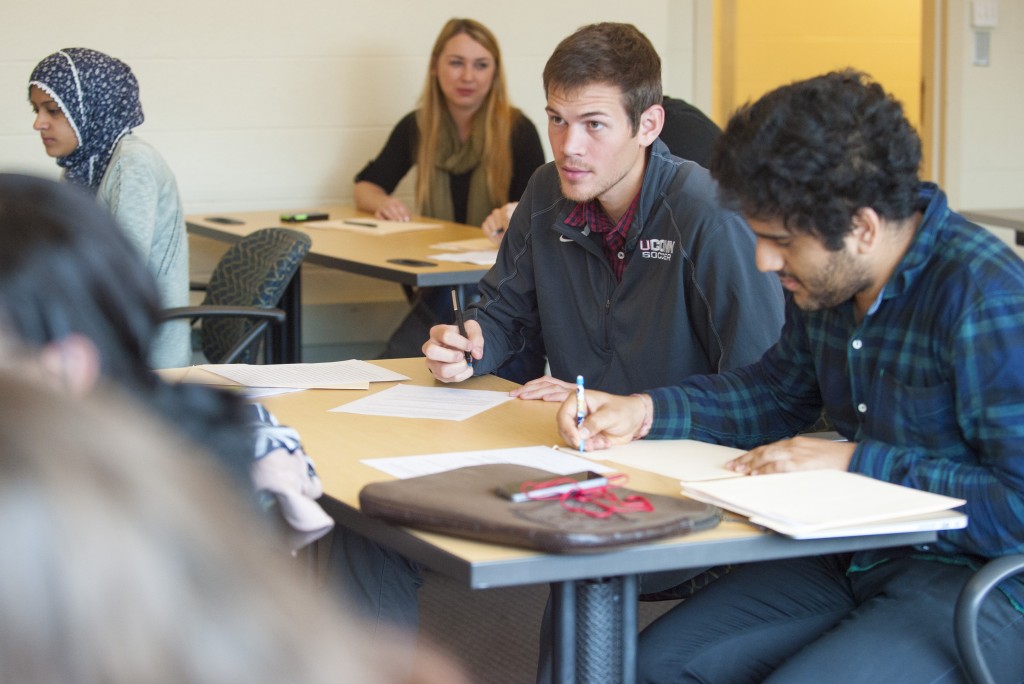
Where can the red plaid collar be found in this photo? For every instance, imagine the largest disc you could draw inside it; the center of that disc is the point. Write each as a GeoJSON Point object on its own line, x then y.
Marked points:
{"type": "Point", "coordinates": [613, 236]}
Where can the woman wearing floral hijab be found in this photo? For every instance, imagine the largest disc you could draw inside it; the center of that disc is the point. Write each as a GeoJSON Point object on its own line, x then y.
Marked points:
{"type": "Point", "coordinates": [86, 105]}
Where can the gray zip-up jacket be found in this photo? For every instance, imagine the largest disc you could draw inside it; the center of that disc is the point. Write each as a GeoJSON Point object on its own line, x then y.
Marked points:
{"type": "Point", "coordinates": [691, 298]}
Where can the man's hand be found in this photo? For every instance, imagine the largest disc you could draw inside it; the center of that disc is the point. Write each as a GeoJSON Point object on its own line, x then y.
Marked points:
{"type": "Point", "coordinates": [798, 453]}
{"type": "Point", "coordinates": [496, 223]}
{"type": "Point", "coordinates": [611, 420]}
{"type": "Point", "coordinates": [446, 351]}
{"type": "Point", "coordinates": [545, 388]}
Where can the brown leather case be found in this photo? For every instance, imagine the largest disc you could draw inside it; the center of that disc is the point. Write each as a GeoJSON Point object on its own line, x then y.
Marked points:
{"type": "Point", "coordinates": [463, 503]}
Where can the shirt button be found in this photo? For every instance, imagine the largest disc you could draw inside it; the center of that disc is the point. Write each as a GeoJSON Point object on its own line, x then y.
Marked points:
{"type": "Point", "coordinates": [621, 255]}
{"type": "Point", "coordinates": [862, 408]}
{"type": "Point", "coordinates": [857, 344]}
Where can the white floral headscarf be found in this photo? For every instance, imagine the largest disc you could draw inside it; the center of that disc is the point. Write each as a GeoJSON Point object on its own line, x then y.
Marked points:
{"type": "Point", "coordinates": [99, 95]}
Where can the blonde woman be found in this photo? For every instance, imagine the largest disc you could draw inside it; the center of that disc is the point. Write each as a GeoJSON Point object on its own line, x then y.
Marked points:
{"type": "Point", "coordinates": [473, 151]}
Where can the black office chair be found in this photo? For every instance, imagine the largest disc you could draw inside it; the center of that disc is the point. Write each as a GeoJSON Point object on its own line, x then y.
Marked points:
{"type": "Point", "coordinates": [237, 316]}
{"type": "Point", "coordinates": [965, 618]}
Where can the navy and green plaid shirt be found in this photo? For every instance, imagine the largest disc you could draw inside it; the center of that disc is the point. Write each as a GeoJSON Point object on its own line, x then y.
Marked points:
{"type": "Point", "coordinates": [930, 385]}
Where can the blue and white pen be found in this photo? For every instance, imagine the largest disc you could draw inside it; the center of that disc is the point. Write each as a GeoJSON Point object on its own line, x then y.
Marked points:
{"type": "Point", "coordinates": [581, 406]}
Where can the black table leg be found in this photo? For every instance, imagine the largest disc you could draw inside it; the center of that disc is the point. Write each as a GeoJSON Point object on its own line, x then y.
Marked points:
{"type": "Point", "coordinates": [595, 626]}
{"type": "Point", "coordinates": [287, 344]}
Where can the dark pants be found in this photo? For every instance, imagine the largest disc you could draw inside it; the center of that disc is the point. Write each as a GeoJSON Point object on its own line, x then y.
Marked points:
{"type": "Point", "coordinates": [378, 583]}
{"type": "Point", "coordinates": [807, 620]}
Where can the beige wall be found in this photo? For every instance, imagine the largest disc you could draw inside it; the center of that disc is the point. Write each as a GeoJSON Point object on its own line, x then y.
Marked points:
{"type": "Point", "coordinates": [768, 44]}
{"type": "Point", "coordinates": [279, 104]}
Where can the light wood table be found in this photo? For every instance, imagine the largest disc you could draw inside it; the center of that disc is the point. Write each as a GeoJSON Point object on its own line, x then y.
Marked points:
{"type": "Point", "coordinates": [582, 584]}
{"type": "Point", "coordinates": [392, 258]}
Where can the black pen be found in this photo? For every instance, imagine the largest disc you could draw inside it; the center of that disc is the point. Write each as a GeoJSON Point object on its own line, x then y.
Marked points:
{"type": "Point", "coordinates": [460, 321]}
{"type": "Point", "coordinates": [359, 223]}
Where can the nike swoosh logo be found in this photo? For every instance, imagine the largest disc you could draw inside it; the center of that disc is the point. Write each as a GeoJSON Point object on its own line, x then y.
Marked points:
{"type": "Point", "coordinates": [562, 238]}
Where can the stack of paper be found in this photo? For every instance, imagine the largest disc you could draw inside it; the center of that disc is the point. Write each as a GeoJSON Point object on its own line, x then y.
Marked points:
{"type": "Point", "coordinates": [351, 374]}
{"type": "Point", "coordinates": [829, 503]}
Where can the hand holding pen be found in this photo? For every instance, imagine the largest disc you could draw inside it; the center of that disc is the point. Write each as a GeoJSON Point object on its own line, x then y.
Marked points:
{"type": "Point", "coordinates": [461, 322]}
{"type": "Point", "coordinates": [452, 350]}
{"type": "Point", "coordinates": [610, 420]}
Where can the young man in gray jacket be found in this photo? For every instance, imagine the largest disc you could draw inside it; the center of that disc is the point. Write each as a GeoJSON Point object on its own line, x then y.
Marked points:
{"type": "Point", "coordinates": [621, 256]}
{"type": "Point", "coordinates": [618, 253]}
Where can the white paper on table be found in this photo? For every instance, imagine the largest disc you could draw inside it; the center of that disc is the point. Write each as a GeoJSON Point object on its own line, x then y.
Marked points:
{"type": "Point", "coordinates": [413, 401]}
{"type": "Point", "coordinates": [480, 244]}
{"type": "Point", "coordinates": [545, 458]}
{"type": "Point", "coordinates": [372, 226]}
{"type": "Point", "coordinates": [351, 374]}
{"type": "Point", "coordinates": [261, 392]}
{"type": "Point", "coordinates": [686, 460]}
{"type": "Point", "coordinates": [481, 258]}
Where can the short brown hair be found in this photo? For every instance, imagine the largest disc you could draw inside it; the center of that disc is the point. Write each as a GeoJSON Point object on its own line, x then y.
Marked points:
{"type": "Point", "coordinates": [611, 53]}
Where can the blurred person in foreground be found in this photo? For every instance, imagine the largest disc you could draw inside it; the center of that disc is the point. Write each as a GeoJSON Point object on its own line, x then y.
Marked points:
{"type": "Point", "coordinates": [129, 558]}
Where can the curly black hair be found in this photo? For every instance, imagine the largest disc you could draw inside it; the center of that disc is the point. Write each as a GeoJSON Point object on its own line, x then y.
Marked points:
{"type": "Point", "coordinates": [814, 152]}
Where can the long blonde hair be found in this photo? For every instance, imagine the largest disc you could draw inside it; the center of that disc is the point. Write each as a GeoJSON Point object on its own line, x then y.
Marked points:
{"type": "Point", "coordinates": [499, 117]}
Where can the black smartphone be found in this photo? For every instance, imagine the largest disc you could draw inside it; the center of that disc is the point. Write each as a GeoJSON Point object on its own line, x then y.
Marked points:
{"type": "Point", "coordinates": [225, 220]}
{"type": "Point", "coordinates": [518, 492]}
{"type": "Point", "coordinates": [411, 262]}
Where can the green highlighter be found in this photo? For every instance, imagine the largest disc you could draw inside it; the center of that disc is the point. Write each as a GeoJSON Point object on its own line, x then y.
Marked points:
{"type": "Point", "coordinates": [299, 218]}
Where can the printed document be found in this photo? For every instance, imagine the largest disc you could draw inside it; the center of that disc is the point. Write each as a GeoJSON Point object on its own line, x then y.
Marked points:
{"type": "Point", "coordinates": [480, 244]}
{"type": "Point", "coordinates": [481, 258]}
{"type": "Point", "coordinates": [351, 374]}
{"type": "Point", "coordinates": [542, 457]}
{"type": "Point", "coordinates": [412, 401]}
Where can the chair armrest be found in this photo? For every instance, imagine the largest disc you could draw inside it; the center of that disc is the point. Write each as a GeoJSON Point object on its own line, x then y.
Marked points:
{"type": "Point", "coordinates": [219, 311]}
{"type": "Point", "coordinates": [968, 605]}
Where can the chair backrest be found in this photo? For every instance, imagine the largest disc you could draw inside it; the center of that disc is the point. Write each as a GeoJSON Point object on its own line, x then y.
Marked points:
{"type": "Point", "coordinates": [968, 607]}
{"type": "Point", "coordinates": [253, 272]}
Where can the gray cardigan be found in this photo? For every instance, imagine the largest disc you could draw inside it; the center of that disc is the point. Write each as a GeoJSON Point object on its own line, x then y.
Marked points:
{"type": "Point", "coordinates": [139, 190]}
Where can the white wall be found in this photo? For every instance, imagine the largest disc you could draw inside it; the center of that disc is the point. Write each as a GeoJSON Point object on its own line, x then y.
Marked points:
{"type": "Point", "coordinates": [984, 110]}
{"type": "Point", "coordinates": [278, 104]}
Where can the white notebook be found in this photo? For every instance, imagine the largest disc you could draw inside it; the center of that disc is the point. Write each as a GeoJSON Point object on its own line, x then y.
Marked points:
{"type": "Point", "coordinates": [826, 503]}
